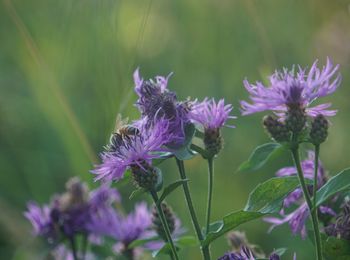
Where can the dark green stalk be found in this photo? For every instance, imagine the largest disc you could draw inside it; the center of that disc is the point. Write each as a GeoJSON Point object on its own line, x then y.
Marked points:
{"type": "Point", "coordinates": [295, 153]}
{"type": "Point", "coordinates": [73, 247]}
{"type": "Point", "coordinates": [84, 246]}
{"type": "Point", "coordinates": [164, 224]}
{"type": "Point", "coordinates": [205, 250]}
{"type": "Point", "coordinates": [210, 190]}
{"type": "Point", "coordinates": [317, 153]}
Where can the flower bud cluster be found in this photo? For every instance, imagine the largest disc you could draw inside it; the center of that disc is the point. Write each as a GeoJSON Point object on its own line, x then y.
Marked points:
{"type": "Point", "coordinates": [278, 130]}
{"type": "Point", "coordinates": [157, 223]}
{"type": "Point", "coordinates": [319, 130]}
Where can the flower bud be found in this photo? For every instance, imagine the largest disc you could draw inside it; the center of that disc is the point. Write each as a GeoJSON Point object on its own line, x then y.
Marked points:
{"type": "Point", "coordinates": [319, 130]}
{"type": "Point", "coordinates": [76, 195]}
{"type": "Point", "coordinates": [277, 130]}
{"type": "Point", "coordinates": [274, 256]}
{"type": "Point", "coordinates": [295, 119]}
{"type": "Point", "coordinates": [157, 223]}
{"type": "Point", "coordinates": [145, 176]}
{"type": "Point", "coordinates": [237, 239]}
{"type": "Point", "coordinates": [213, 141]}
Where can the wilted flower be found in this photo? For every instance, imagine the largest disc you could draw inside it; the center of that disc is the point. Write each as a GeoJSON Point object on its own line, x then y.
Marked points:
{"type": "Point", "coordinates": [298, 217]}
{"type": "Point", "coordinates": [133, 152]}
{"type": "Point", "coordinates": [157, 102]}
{"type": "Point", "coordinates": [289, 91]}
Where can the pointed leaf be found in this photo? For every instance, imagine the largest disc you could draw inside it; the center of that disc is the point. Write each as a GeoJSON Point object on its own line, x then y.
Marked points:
{"type": "Point", "coordinates": [141, 242]}
{"type": "Point", "coordinates": [170, 188]}
{"type": "Point", "coordinates": [336, 248]}
{"type": "Point", "coordinates": [137, 193]}
{"type": "Point", "coordinates": [260, 156]}
{"type": "Point", "coordinates": [337, 183]}
{"type": "Point", "coordinates": [268, 196]}
{"type": "Point", "coordinates": [230, 222]}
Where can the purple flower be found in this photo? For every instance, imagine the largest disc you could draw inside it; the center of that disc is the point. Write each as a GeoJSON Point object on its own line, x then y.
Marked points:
{"type": "Point", "coordinates": [288, 89]}
{"type": "Point", "coordinates": [124, 229]}
{"type": "Point", "coordinates": [70, 213]}
{"type": "Point", "coordinates": [157, 102]}
{"type": "Point", "coordinates": [298, 217]}
{"type": "Point", "coordinates": [40, 218]}
{"type": "Point", "coordinates": [133, 151]}
{"type": "Point", "coordinates": [211, 115]}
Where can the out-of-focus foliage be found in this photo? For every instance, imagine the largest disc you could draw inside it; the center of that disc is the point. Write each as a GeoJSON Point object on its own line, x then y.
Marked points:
{"type": "Point", "coordinates": [66, 71]}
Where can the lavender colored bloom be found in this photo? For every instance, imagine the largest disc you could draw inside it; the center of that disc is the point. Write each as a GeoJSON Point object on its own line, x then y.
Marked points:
{"type": "Point", "coordinates": [124, 229]}
{"type": "Point", "coordinates": [133, 150]}
{"type": "Point", "coordinates": [288, 89]}
{"type": "Point", "coordinates": [211, 115]}
{"type": "Point", "coordinates": [70, 213]}
{"type": "Point", "coordinates": [40, 218]}
{"type": "Point", "coordinates": [298, 217]}
{"type": "Point", "coordinates": [157, 102]}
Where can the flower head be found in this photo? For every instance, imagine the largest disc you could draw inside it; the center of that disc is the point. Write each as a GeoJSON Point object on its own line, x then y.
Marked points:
{"type": "Point", "coordinates": [211, 115]}
{"type": "Point", "coordinates": [124, 228]}
{"type": "Point", "coordinates": [133, 151]}
{"type": "Point", "coordinates": [157, 102]}
{"type": "Point", "coordinates": [40, 218]}
{"type": "Point", "coordinates": [290, 89]}
{"type": "Point", "coordinates": [70, 213]}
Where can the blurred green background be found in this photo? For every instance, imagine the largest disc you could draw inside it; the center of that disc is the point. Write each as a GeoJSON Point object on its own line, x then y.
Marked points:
{"type": "Point", "coordinates": [66, 71]}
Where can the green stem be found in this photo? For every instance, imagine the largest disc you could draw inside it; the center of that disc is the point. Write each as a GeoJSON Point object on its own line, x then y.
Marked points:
{"type": "Point", "coordinates": [295, 153]}
{"type": "Point", "coordinates": [74, 248]}
{"type": "Point", "coordinates": [210, 190]}
{"type": "Point", "coordinates": [317, 153]}
{"type": "Point", "coordinates": [84, 246]}
{"type": "Point", "coordinates": [164, 224]}
{"type": "Point", "coordinates": [197, 228]}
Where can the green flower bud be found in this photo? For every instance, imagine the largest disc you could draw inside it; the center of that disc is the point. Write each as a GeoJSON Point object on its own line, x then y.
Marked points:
{"type": "Point", "coordinates": [319, 130]}
{"type": "Point", "coordinates": [277, 130]}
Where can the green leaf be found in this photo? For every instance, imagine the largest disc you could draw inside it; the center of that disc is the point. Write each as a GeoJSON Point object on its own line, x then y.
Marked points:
{"type": "Point", "coordinates": [140, 242]}
{"type": "Point", "coordinates": [336, 248]}
{"type": "Point", "coordinates": [280, 251]}
{"type": "Point", "coordinates": [170, 188]}
{"type": "Point", "coordinates": [183, 152]}
{"type": "Point", "coordinates": [268, 196]}
{"type": "Point", "coordinates": [186, 241]}
{"type": "Point", "coordinates": [181, 242]}
{"type": "Point", "coordinates": [337, 183]}
{"type": "Point", "coordinates": [161, 157]}
{"type": "Point", "coordinates": [228, 223]}
{"type": "Point", "coordinates": [137, 193]}
{"type": "Point", "coordinates": [260, 156]}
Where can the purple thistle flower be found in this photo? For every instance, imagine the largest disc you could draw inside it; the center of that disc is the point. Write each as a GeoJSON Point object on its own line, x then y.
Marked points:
{"type": "Point", "coordinates": [133, 150]}
{"type": "Point", "coordinates": [70, 213]}
{"type": "Point", "coordinates": [298, 217]}
{"type": "Point", "coordinates": [211, 115]}
{"type": "Point", "coordinates": [40, 218]}
{"type": "Point", "coordinates": [124, 229]}
{"type": "Point", "coordinates": [288, 89]}
{"type": "Point", "coordinates": [157, 102]}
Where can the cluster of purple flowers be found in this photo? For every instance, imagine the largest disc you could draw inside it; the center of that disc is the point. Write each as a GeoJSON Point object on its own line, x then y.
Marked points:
{"type": "Point", "coordinates": [160, 130]}
{"type": "Point", "coordinates": [162, 124]}
{"type": "Point", "coordinates": [95, 215]}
